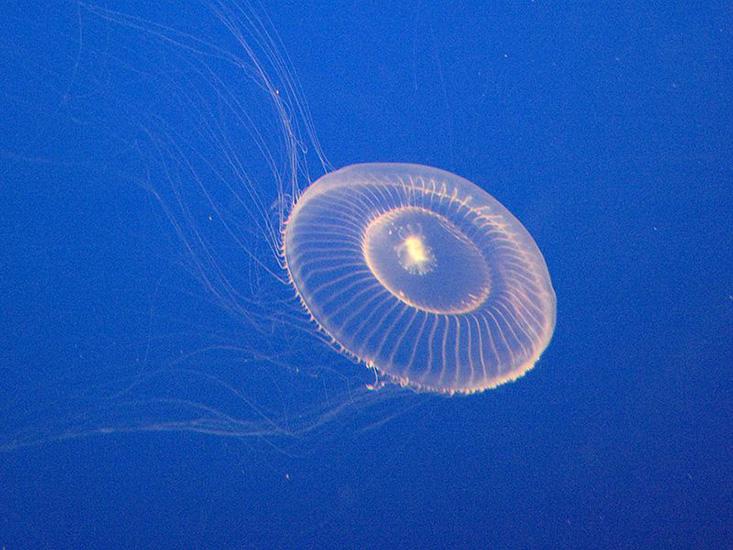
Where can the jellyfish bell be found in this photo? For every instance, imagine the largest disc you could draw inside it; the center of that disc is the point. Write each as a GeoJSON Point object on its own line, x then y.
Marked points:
{"type": "Point", "coordinates": [422, 275]}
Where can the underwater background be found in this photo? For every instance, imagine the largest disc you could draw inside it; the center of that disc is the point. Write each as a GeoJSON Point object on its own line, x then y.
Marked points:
{"type": "Point", "coordinates": [131, 321]}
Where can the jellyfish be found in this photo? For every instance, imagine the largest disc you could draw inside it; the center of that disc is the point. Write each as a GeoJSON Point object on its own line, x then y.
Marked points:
{"type": "Point", "coordinates": [250, 253]}
{"type": "Point", "coordinates": [422, 275]}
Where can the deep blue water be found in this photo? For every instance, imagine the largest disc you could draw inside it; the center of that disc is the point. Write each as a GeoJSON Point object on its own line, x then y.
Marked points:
{"type": "Point", "coordinates": [606, 129]}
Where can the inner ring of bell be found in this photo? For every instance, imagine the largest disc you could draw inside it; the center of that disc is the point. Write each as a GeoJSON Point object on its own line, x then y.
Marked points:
{"type": "Point", "coordinates": [426, 261]}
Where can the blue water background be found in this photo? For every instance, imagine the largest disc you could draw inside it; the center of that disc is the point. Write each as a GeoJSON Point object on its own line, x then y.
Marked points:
{"type": "Point", "coordinates": [605, 128]}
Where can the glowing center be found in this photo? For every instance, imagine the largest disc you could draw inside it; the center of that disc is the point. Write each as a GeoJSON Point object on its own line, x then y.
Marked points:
{"type": "Point", "coordinates": [415, 256]}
